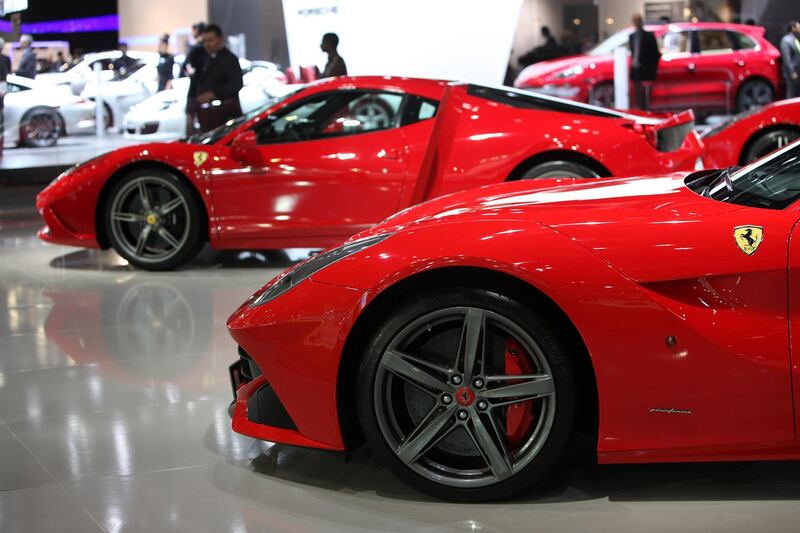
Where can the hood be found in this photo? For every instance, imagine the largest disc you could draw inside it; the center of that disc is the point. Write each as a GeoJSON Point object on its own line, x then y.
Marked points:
{"type": "Point", "coordinates": [617, 219]}
{"type": "Point", "coordinates": [544, 71]}
{"type": "Point", "coordinates": [561, 203]}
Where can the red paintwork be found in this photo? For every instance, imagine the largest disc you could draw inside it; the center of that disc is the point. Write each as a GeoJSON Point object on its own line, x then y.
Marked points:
{"type": "Point", "coordinates": [708, 81]}
{"type": "Point", "coordinates": [726, 147]}
{"type": "Point", "coordinates": [316, 193]}
{"type": "Point", "coordinates": [630, 262]}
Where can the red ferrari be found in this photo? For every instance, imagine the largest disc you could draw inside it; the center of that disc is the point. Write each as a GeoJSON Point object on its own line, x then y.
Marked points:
{"type": "Point", "coordinates": [752, 134]}
{"type": "Point", "coordinates": [704, 66]}
{"type": "Point", "coordinates": [338, 156]}
{"type": "Point", "coordinates": [466, 338]}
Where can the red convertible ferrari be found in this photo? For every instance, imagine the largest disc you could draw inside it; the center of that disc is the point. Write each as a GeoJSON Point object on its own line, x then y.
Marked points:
{"type": "Point", "coordinates": [339, 156]}
{"type": "Point", "coordinates": [466, 338]}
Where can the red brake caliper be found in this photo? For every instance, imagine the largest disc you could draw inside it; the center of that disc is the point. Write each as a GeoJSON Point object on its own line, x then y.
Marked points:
{"type": "Point", "coordinates": [519, 416]}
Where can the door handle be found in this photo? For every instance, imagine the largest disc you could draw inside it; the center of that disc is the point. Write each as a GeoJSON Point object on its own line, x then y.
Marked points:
{"type": "Point", "coordinates": [691, 67]}
{"type": "Point", "coordinates": [741, 63]}
{"type": "Point", "coordinates": [392, 154]}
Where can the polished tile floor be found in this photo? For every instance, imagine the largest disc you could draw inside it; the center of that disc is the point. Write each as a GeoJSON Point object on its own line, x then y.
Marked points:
{"type": "Point", "coordinates": [113, 396]}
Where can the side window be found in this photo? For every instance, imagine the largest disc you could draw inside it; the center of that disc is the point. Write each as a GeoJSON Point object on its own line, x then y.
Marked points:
{"type": "Point", "coordinates": [742, 41]}
{"type": "Point", "coordinates": [674, 42]}
{"type": "Point", "coordinates": [419, 109]}
{"type": "Point", "coordinates": [330, 115]}
{"type": "Point", "coordinates": [714, 41]}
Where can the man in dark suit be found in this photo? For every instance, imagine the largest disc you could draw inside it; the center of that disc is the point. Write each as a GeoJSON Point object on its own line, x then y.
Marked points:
{"type": "Point", "coordinates": [218, 83]}
{"type": "Point", "coordinates": [195, 60]}
{"type": "Point", "coordinates": [790, 59]}
{"type": "Point", "coordinates": [27, 63]}
{"type": "Point", "coordinates": [645, 56]}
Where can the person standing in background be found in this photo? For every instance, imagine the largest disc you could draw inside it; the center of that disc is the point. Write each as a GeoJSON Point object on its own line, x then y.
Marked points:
{"type": "Point", "coordinates": [166, 63]}
{"type": "Point", "coordinates": [790, 59]}
{"type": "Point", "coordinates": [645, 56]}
{"type": "Point", "coordinates": [218, 83]}
{"type": "Point", "coordinates": [336, 65]}
{"type": "Point", "coordinates": [196, 59]}
{"type": "Point", "coordinates": [5, 70]}
{"type": "Point", "coordinates": [60, 63]}
{"type": "Point", "coordinates": [124, 64]}
{"type": "Point", "coordinates": [27, 63]}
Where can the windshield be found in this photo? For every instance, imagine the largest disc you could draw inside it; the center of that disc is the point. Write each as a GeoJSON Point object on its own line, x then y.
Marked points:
{"type": "Point", "coordinates": [606, 48]}
{"type": "Point", "coordinates": [212, 136]}
{"type": "Point", "coordinates": [772, 182]}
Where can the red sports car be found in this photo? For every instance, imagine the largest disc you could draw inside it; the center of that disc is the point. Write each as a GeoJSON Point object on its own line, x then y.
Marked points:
{"type": "Point", "coordinates": [704, 66]}
{"type": "Point", "coordinates": [466, 338]}
{"type": "Point", "coordinates": [339, 156]}
{"type": "Point", "coordinates": [752, 134]}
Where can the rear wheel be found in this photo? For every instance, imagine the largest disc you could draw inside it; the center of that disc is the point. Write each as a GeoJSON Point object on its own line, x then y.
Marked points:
{"type": "Point", "coordinates": [754, 93]}
{"type": "Point", "coordinates": [466, 395]}
{"type": "Point", "coordinates": [559, 169]}
{"type": "Point", "coordinates": [39, 128]}
{"type": "Point", "coordinates": [769, 142]}
{"type": "Point", "coordinates": [153, 220]}
{"type": "Point", "coordinates": [602, 95]}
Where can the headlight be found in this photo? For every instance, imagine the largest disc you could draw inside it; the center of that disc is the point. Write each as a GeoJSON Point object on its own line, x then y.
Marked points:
{"type": "Point", "coordinates": [570, 72]}
{"type": "Point", "coordinates": [311, 266]}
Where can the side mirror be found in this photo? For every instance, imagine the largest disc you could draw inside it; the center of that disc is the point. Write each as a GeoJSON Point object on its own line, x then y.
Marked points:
{"type": "Point", "coordinates": [246, 139]}
{"type": "Point", "coordinates": [243, 148]}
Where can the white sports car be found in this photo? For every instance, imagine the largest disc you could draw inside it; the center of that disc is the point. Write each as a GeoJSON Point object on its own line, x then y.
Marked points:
{"type": "Point", "coordinates": [162, 117]}
{"type": "Point", "coordinates": [82, 72]}
{"type": "Point", "coordinates": [123, 92]}
{"type": "Point", "coordinates": [37, 114]}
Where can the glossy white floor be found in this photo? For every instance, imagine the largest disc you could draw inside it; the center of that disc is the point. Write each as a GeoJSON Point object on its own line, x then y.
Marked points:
{"type": "Point", "coordinates": [113, 396]}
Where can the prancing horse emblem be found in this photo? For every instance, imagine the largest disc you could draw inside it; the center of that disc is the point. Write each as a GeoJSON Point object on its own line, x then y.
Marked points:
{"type": "Point", "coordinates": [200, 158]}
{"type": "Point", "coordinates": [748, 238]}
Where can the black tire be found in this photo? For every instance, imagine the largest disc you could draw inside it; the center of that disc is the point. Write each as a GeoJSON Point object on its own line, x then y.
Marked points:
{"type": "Point", "coordinates": [174, 218]}
{"type": "Point", "coordinates": [602, 95]}
{"type": "Point", "coordinates": [108, 116]}
{"type": "Point", "coordinates": [768, 142]}
{"type": "Point", "coordinates": [521, 475]}
{"type": "Point", "coordinates": [559, 169]}
{"type": "Point", "coordinates": [39, 128]}
{"type": "Point", "coordinates": [754, 93]}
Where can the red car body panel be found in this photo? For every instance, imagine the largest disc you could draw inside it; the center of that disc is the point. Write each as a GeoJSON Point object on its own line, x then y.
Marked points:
{"type": "Point", "coordinates": [684, 80]}
{"type": "Point", "coordinates": [630, 262]}
{"type": "Point", "coordinates": [726, 145]}
{"type": "Point", "coordinates": [317, 193]}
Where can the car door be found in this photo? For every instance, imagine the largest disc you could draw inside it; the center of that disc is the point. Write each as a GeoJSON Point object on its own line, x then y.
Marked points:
{"type": "Point", "coordinates": [714, 75]}
{"type": "Point", "coordinates": [673, 88]}
{"type": "Point", "coordinates": [330, 165]}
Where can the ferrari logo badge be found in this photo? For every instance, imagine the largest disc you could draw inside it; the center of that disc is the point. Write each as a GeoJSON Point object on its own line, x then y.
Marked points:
{"type": "Point", "coordinates": [748, 238]}
{"type": "Point", "coordinates": [200, 158]}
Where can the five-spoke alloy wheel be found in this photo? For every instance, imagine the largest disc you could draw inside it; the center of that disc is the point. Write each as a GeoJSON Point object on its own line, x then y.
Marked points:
{"type": "Point", "coordinates": [152, 220]}
{"type": "Point", "coordinates": [466, 395]}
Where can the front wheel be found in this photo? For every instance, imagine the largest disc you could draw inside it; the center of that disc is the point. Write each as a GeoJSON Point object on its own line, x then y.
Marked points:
{"type": "Point", "coordinates": [153, 220]}
{"type": "Point", "coordinates": [466, 395]}
{"type": "Point", "coordinates": [769, 142]}
{"type": "Point", "coordinates": [559, 169]}
{"type": "Point", "coordinates": [40, 128]}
